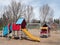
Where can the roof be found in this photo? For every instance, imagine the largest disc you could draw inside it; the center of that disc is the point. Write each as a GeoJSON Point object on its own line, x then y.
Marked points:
{"type": "Point", "coordinates": [19, 21]}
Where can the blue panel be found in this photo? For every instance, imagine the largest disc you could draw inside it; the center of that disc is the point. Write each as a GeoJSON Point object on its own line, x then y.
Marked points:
{"type": "Point", "coordinates": [11, 27]}
{"type": "Point", "coordinates": [5, 30]}
{"type": "Point", "coordinates": [20, 20]}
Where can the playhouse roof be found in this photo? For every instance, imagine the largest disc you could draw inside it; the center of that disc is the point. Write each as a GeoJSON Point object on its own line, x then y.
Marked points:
{"type": "Point", "coordinates": [19, 21]}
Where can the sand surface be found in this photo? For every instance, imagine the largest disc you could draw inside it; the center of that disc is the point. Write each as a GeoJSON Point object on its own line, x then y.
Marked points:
{"type": "Point", "coordinates": [54, 39]}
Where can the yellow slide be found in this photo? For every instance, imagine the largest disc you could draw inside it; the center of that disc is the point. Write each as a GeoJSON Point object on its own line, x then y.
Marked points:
{"type": "Point", "coordinates": [30, 35]}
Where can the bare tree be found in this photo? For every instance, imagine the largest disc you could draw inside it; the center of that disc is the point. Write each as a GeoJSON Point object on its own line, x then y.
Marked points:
{"type": "Point", "coordinates": [8, 14]}
{"type": "Point", "coordinates": [16, 10]}
{"type": "Point", "coordinates": [15, 7]}
{"type": "Point", "coordinates": [46, 13]}
{"type": "Point", "coordinates": [4, 20]}
{"type": "Point", "coordinates": [13, 11]}
{"type": "Point", "coordinates": [29, 13]}
{"type": "Point", "coordinates": [50, 16]}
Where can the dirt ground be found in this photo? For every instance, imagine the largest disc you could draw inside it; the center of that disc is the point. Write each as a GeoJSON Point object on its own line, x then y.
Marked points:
{"type": "Point", "coordinates": [54, 39]}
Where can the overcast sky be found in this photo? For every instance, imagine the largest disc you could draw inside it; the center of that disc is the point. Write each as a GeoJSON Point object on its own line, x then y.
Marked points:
{"type": "Point", "coordinates": [54, 4]}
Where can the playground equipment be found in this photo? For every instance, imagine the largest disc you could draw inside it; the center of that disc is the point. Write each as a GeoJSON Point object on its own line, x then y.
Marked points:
{"type": "Point", "coordinates": [44, 31]}
{"type": "Point", "coordinates": [30, 35]}
{"type": "Point", "coordinates": [20, 25]}
{"type": "Point", "coordinates": [6, 30]}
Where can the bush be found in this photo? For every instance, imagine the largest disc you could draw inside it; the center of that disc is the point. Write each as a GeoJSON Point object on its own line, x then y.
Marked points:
{"type": "Point", "coordinates": [1, 28]}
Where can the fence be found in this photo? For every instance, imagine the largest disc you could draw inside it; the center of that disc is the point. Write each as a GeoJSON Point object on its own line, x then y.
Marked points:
{"type": "Point", "coordinates": [33, 25]}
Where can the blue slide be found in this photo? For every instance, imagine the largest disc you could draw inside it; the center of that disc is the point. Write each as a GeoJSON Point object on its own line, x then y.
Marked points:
{"type": "Point", "coordinates": [6, 31]}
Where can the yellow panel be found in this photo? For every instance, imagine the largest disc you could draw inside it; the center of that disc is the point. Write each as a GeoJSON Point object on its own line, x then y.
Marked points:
{"type": "Point", "coordinates": [43, 27]}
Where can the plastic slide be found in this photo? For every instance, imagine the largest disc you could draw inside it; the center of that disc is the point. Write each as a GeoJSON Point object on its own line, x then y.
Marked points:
{"type": "Point", "coordinates": [5, 30]}
{"type": "Point", "coordinates": [30, 35]}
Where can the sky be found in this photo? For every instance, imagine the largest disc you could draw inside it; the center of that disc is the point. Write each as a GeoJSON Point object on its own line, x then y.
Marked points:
{"type": "Point", "coordinates": [54, 4]}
